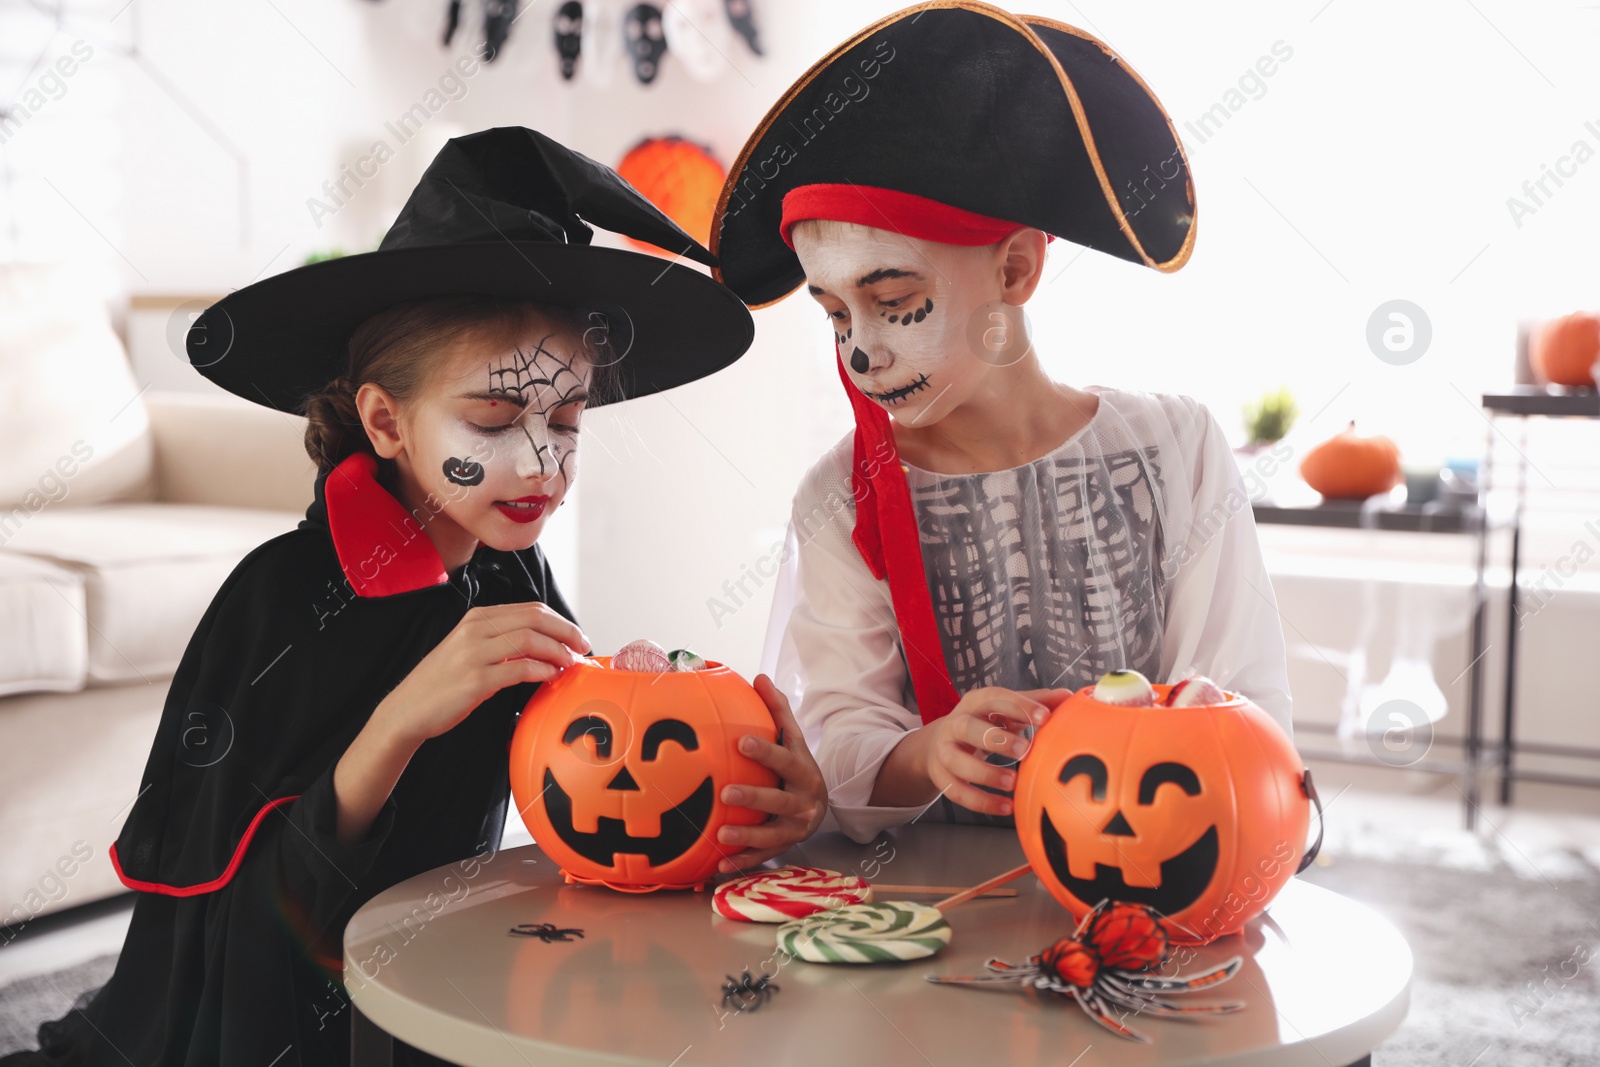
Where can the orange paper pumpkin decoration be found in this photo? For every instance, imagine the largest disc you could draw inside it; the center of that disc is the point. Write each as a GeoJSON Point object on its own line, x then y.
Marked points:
{"type": "Point", "coordinates": [1351, 467]}
{"type": "Point", "coordinates": [1198, 812]}
{"type": "Point", "coordinates": [679, 177]}
{"type": "Point", "coordinates": [1565, 351]}
{"type": "Point", "coordinates": [619, 774]}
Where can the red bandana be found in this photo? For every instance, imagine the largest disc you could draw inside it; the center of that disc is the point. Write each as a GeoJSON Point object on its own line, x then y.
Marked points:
{"type": "Point", "coordinates": [886, 526]}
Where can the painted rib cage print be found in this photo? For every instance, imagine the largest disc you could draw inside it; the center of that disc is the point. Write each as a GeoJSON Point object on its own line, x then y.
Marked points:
{"type": "Point", "coordinates": [1044, 576]}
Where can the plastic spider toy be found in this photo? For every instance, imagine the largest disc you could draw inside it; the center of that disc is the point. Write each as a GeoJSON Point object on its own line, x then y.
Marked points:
{"type": "Point", "coordinates": [547, 932]}
{"type": "Point", "coordinates": [749, 991]}
{"type": "Point", "coordinates": [1107, 962]}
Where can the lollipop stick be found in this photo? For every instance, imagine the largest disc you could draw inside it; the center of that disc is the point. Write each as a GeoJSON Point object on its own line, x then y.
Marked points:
{"type": "Point", "coordinates": [982, 887]}
{"type": "Point", "coordinates": [930, 890]}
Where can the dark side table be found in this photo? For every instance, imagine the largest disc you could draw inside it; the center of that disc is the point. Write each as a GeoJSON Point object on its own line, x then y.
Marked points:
{"type": "Point", "coordinates": [1524, 403]}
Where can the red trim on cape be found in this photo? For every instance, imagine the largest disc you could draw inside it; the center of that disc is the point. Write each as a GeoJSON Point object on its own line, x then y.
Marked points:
{"type": "Point", "coordinates": [202, 887]}
{"type": "Point", "coordinates": [381, 547]}
{"type": "Point", "coordinates": [891, 209]}
{"type": "Point", "coordinates": [886, 536]}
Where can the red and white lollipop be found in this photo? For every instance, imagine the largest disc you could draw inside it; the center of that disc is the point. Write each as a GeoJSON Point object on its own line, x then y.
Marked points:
{"type": "Point", "coordinates": [783, 893]}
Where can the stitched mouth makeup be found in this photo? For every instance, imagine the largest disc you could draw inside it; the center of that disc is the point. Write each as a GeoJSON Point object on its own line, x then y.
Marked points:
{"type": "Point", "coordinates": [894, 396]}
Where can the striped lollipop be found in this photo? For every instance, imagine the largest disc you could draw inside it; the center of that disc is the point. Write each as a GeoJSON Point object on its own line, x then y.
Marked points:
{"type": "Point", "coordinates": [867, 933]}
{"type": "Point", "coordinates": [784, 893]}
{"type": "Point", "coordinates": [880, 932]}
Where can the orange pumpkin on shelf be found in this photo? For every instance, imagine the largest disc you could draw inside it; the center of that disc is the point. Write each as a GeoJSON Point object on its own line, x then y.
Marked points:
{"type": "Point", "coordinates": [618, 774]}
{"type": "Point", "coordinates": [1565, 351]}
{"type": "Point", "coordinates": [1198, 811]}
{"type": "Point", "coordinates": [1348, 466]}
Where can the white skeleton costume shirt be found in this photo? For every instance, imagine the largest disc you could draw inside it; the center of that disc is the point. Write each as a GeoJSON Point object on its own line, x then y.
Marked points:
{"type": "Point", "coordinates": [1131, 544]}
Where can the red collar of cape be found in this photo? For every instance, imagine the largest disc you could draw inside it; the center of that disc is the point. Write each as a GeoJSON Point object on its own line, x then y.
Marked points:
{"type": "Point", "coordinates": [381, 546]}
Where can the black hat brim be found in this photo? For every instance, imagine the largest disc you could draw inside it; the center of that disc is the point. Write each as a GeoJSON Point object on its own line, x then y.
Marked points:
{"type": "Point", "coordinates": [282, 338]}
{"type": "Point", "coordinates": [1010, 116]}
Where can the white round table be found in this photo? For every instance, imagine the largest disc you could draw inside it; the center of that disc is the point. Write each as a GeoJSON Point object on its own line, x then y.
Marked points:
{"type": "Point", "coordinates": [432, 962]}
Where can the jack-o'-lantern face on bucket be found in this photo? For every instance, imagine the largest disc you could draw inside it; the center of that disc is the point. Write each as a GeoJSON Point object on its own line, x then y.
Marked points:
{"type": "Point", "coordinates": [629, 785]}
{"type": "Point", "coordinates": [1154, 867]}
{"type": "Point", "coordinates": [1198, 812]}
{"type": "Point", "coordinates": [618, 774]}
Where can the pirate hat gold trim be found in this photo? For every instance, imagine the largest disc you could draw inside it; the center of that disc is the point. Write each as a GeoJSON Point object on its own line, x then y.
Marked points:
{"type": "Point", "coordinates": [969, 79]}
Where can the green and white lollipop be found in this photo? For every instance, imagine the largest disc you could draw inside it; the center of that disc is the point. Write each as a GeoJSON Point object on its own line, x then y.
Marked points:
{"type": "Point", "coordinates": [867, 933]}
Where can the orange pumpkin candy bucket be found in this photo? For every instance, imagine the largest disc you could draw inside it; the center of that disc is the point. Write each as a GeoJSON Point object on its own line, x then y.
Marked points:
{"type": "Point", "coordinates": [618, 774]}
{"type": "Point", "coordinates": [1200, 812]}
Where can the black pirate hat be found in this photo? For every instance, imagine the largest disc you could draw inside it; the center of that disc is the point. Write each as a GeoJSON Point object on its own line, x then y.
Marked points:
{"type": "Point", "coordinates": [962, 105]}
{"type": "Point", "coordinates": [501, 212]}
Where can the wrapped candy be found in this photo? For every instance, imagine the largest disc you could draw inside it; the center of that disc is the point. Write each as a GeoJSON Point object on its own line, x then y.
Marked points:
{"type": "Point", "coordinates": [1196, 691]}
{"type": "Point", "coordinates": [641, 656]}
{"type": "Point", "coordinates": [684, 660]}
{"type": "Point", "coordinates": [1125, 688]}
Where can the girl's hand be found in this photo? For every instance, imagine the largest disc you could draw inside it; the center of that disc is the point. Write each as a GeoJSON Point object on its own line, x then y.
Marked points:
{"type": "Point", "coordinates": [799, 802]}
{"type": "Point", "coordinates": [490, 648]}
{"type": "Point", "coordinates": [985, 720]}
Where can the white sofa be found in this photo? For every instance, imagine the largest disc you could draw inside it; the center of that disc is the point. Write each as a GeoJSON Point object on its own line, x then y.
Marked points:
{"type": "Point", "coordinates": [121, 512]}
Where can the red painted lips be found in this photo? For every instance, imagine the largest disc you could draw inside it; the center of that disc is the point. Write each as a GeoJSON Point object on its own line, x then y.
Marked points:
{"type": "Point", "coordinates": [523, 509]}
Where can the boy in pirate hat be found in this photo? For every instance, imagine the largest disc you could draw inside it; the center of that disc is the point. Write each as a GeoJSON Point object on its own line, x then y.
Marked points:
{"type": "Point", "coordinates": [987, 539]}
{"type": "Point", "coordinates": [340, 719]}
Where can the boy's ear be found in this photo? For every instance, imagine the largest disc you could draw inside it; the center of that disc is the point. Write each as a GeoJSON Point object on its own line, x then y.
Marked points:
{"type": "Point", "coordinates": [380, 417]}
{"type": "Point", "coordinates": [1023, 264]}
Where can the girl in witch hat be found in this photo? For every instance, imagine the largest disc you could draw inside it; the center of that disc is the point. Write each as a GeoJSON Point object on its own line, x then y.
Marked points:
{"type": "Point", "coordinates": [340, 719]}
{"type": "Point", "coordinates": [987, 538]}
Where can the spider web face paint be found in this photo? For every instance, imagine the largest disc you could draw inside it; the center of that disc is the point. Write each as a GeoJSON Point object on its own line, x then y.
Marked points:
{"type": "Point", "coordinates": [542, 381]}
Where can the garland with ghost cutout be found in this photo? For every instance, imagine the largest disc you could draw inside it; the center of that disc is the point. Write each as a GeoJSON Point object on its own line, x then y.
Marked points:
{"type": "Point", "coordinates": [647, 32]}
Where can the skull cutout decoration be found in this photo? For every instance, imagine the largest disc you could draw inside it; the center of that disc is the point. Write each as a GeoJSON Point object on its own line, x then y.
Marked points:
{"type": "Point", "coordinates": [1199, 811]}
{"type": "Point", "coordinates": [618, 774]}
{"type": "Point", "coordinates": [647, 41]}
{"type": "Point", "coordinates": [568, 29]}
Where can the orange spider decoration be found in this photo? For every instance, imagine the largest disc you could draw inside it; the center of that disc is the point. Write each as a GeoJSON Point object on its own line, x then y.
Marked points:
{"type": "Point", "coordinates": [1107, 962]}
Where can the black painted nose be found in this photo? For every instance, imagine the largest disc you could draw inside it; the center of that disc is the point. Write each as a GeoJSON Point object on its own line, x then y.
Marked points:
{"type": "Point", "coordinates": [859, 362]}
{"type": "Point", "coordinates": [623, 780]}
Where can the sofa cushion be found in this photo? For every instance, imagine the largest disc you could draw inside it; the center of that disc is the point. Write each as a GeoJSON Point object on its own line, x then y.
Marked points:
{"type": "Point", "coordinates": [73, 427]}
{"type": "Point", "coordinates": [44, 642]}
{"type": "Point", "coordinates": [148, 573]}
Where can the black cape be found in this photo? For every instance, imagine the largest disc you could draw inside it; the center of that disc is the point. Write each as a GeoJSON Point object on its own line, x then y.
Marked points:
{"type": "Point", "coordinates": [236, 936]}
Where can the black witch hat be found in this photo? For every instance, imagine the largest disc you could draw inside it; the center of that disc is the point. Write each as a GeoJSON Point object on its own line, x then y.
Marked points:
{"type": "Point", "coordinates": [502, 212]}
{"type": "Point", "coordinates": [1012, 117]}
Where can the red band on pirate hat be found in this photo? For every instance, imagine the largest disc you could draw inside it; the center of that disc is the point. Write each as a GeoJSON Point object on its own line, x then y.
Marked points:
{"type": "Point", "coordinates": [891, 209]}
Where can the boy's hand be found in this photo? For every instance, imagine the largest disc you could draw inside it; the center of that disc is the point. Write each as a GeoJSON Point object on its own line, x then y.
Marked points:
{"type": "Point", "coordinates": [798, 803]}
{"type": "Point", "coordinates": [985, 720]}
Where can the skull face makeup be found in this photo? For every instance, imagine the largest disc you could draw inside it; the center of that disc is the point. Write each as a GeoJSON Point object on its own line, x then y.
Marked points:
{"type": "Point", "coordinates": [647, 42]}
{"type": "Point", "coordinates": [917, 322]}
{"type": "Point", "coordinates": [568, 29]}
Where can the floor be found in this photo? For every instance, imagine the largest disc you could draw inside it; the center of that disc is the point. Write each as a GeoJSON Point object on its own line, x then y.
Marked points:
{"type": "Point", "coordinates": [1374, 813]}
